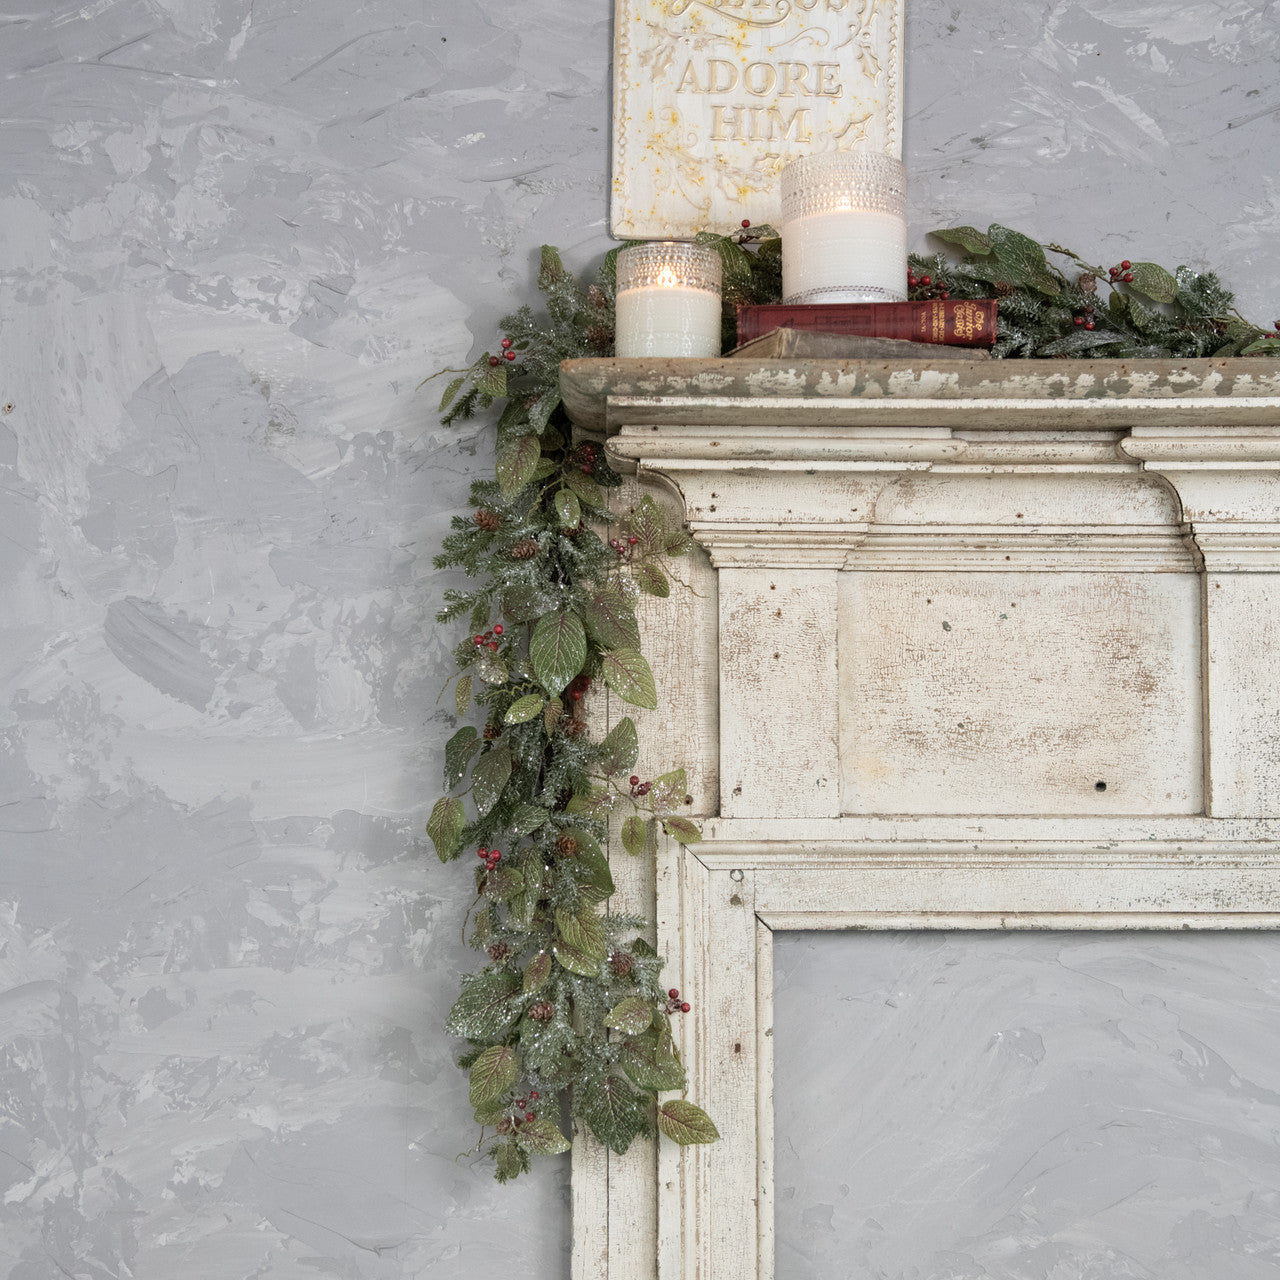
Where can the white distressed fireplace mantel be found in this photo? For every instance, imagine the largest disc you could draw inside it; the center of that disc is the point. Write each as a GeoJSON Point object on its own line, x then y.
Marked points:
{"type": "Point", "coordinates": [969, 645]}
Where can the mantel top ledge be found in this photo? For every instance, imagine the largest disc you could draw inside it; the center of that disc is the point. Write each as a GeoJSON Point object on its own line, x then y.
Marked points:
{"type": "Point", "coordinates": [1014, 395]}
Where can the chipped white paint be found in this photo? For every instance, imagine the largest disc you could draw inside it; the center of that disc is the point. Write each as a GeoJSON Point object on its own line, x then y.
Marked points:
{"type": "Point", "coordinates": [992, 665]}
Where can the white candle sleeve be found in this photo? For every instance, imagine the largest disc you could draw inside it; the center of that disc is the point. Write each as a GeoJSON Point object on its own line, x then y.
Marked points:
{"type": "Point", "coordinates": [668, 301]}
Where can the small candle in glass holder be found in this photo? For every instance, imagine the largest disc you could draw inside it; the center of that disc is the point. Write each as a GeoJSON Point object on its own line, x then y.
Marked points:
{"type": "Point", "coordinates": [844, 228]}
{"type": "Point", "coordinates": [668, 300]}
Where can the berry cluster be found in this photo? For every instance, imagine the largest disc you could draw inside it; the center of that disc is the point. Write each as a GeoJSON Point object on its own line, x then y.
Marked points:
{"type": "Point", "coordinates": [932, 288]}
{"type": "Point", "coordinates": [490, 857]}
{"type": "Point", "coordinates": [521, 1110]}
{"type": "Point", "coordinates": [1121, 272]}
{"type": "Point", "coordinates": [624, 549]}
{"type": "Point", "coordinates": [507, 354]}
{"type": "Point", "coordinates": [489, 640]}
{"type": "Point", "coordinates": [675, 1004]}
{"type": "Point", "coordinates": [1086, 321]}
{"type": "Point", "coordinates": [584, 458]}
{"type": "Point", "coordinates": [639, 788]}
{"type": "Point", "coordinates": [577, 687]}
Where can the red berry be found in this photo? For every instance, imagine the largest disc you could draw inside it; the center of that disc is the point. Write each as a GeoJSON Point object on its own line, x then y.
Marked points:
{"type": "Point", "coordinates": [944, 295]}
{"type": "Point", "coordinates": [684, 1008]}
{"type": "Point", "coordinates": [911, 281]}
{"type": "Point", "coordinates": [1128, 277]}
{"type": "Point", "coordinates": [482, 852]}
{"type": "Point", "coordinates": [746, 222]}
{"type": "Point", "coordinates": [1125, 265]}
{"type": "Point", "coordinates": [528, 1115]}
{"type": "Point", "coordinates": [576, 695]}
{"type": "Point", "coordinates": [675, 991]}
{"type": "Point", "coordinates": [631, 541]}
{"type": "Point", "coordinates": [511, 355]}
{"type": "Point", "coordinates": [1276, 323]}
{"type": "Point", "coordinates": [635, 781]}
{"type": "Point", "coordinates": [497, 631]}
{"type": "Point", "coordinates": [1079, 319]}
{"type": "Point", "coordinates": [494, 855]}
{"type": "Point", "coordinates": [493, 644]}
{"type": "Point", "coordinates": [506, 344]}
{"type": "Point", "coordinates": [926, 280]}
{"type": "Point", "coordinates": [479, 639]}
{"type": "Point", "coordinates": [493, 360]}
{"type": "Point", "coordinates": [521, 1103]}
{"type": "Point", "coordinates": [1088, 324]}
{"type": "Point", "coordinates": [534, 1095]}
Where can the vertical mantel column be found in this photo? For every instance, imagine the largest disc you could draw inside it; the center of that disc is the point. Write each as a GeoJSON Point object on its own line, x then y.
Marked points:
{"type": "Point", "coordinates": [1228, 482]}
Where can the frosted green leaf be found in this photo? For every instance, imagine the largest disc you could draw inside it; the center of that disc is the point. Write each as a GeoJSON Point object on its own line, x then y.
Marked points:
{"type": "Point", "coordinates": [457, 752]}
{"type": "Point", "coordinates": [591, 870]}
{"type": "Point", "coordinates": [648, 523]}
{"type": "Point", "coordinates": [651, 1063]}
{"type": "Point", "coordinates": [462, 695]}
{"type": "Point", "coordinates": [611, 620]}
{"type": "Point", "coordinates": [489, 778]}
{"type": "Point", "coordinates": [1023, 259]}
{"type": "Point", "coordinates": [568, 508]}
{"type": "Point", "coordinates": [635, 834]}
{"type": "Point", "coordinates": [968, 238]}
{"type": "Point", "coordinates": [536, 972]}
{"type": "Point", "coordinates": [517, 461]}
{"type": "Point", "coordinates": [583, 931]}
{"type": "Point", "coordinates": [445, 826]}
{"type": "Point", "coordinates": [620, 748]}
{"type": "Point", "coordinates": [652, 580]}
{"type": "Point", "coordinates": [627, 673]}
{"type": "Point", "coordinates": [509, 1162]}
{"type": "Point", "coordinates": [525, 708]}
{"type": "Point", "coordinates": [494, 1073]}
{"type": "Point", "coordinates": [685, 1123]}
{"type": "Point", "coordinates": [503, 884]}
{"type": "Point", "coordinates": [541, 1137]}
{"type": "Point", "coordinates": [630, 1016]}
{"type": "Point", "coordinates": [584, 486]}
{"type": "Point", "coordinates": [1153, 280]}
{"type": "Point", "coordinates": [580, 962]}
{"type": "Point", "coordinates": [493, 381]}
{"type": "Point", "coordinates": [681, 829]}
{"type": "Point", "coordinates": [526, 818]}
{"type": "Point", "coordinates": [615, 1112]}
{"type": "Point", "coordinates": [558, 649]}
{"type": "Point", "coordinates": [486, 1007]}
{"type": "Point", "coordinates": [668, 790]}
{"type": "Point", "coordinates": [450, 391]}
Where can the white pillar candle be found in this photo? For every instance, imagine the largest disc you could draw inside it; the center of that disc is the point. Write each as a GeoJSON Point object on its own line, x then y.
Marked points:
{"type": "Point", "coordinates": [844, 228]}
{"type": "Point", "coordinates": [668, 301]}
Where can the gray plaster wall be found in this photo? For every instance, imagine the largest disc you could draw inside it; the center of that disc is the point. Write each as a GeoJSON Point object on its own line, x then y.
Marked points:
{"type": "Point", "coordinates": [234, 236]}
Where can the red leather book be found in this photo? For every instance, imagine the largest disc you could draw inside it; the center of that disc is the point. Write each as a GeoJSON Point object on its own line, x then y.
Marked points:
{"type": "Point", "coordinates": [955, 322]}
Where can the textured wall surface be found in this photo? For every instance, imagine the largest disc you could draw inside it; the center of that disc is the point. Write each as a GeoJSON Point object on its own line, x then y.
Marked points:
{"type": "Point", "coordinates": [234, 235]}
{"type": "Point", "coordinates": [1028, 1107]}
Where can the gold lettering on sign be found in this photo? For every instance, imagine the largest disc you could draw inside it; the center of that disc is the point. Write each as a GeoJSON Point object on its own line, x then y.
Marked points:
{"type": "Point", "coordinates": [763, 79]}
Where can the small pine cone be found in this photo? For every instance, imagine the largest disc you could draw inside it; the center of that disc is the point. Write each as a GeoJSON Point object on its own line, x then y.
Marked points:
{"type": "Point", "coordinates": [599, 337]}
{"type": "Point", "coordinates": [1004, 289]}
{"type": "Point", "coordinates": [566, 846]}
{"type": "Point", "coordinates": [543, 1011]}
{"type": "Point", "coordinates": [499, 952]}
{"type": "Point", "coordinates": [525, 550]}
{"type": "Point", "coordinates": [595, 295]}
{"type": "Point", "coordinates": [486, 520]}
{"type": "Point", "coordinates": [574, 726]}
{"type": "Point", "coordinates": [492, 732]}
{"type": "Point", "coordinates": [1088, 282]}
{"type": "Point", "coordinates": [504, 1126]}
{"type": "Point", "coordinates": [621, 964]}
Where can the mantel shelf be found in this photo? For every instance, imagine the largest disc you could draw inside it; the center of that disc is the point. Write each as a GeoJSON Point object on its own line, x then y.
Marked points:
{"type": "Point", "coordinates": [601, 394]}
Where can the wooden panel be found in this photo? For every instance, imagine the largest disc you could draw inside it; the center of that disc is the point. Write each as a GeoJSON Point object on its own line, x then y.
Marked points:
{"type": "Point", "coordinates": [1243, 620]}
{"type": "Point", "coordinates": [779, 752]}
{"type": "Point", "coordinates": [1020, 693]}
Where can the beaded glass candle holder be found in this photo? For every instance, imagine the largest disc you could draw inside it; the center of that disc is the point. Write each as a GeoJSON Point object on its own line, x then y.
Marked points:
{"type": "Point", "coordinates": [668, 300]}
{"type": "Point", "coordinates": [844, 228]}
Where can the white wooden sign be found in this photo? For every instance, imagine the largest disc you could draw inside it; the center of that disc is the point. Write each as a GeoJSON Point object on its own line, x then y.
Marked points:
{"type": "Point", "coordinates": [971, 646]}
{"type": "Point", "coordinates": [712, 97]}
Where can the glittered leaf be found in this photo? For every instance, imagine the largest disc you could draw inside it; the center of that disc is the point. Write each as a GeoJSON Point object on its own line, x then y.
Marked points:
{"type": "Point", "coordinates": [1263, 347]}
{"type": "Point", "coordinates": [489, 778]}
{"type": "Point", "coordinates": [536, 972]}
{"type": "Point", "coordinates": [525, 603]}
{"type": "Point", "coordinates": [445, 826]}
{"type": "Point", "coordinates": [568, 508]}
{"type": "Point", "coordinates": [1154, 281]}
{"type": "Point", "coordinates": [594, 802]}
{"type": "Point", "coordinates": [681, 829]}
{"type": "Point", "coordinates": [591, 870]}
{"type": "Point", "coordinates": [486, 1007]}
{"type": "Point", "coordinates": [635, 834]}
{"type": "Point", "coordinates": [583, 931]}
{"type": "Point", "coordinates": [493, 381]}
{"type": "Point", "coordinates": [668, 790]}
{"type": "Point", "coordinates": [616, 1113]}
{"type": "Point", "coordinates": [509, 1162]}
{"type": "Point", "coordinates": [462, 695]}
{"type": "Point", "coordinates": [652, 580]}
{"type": "Point", "coordinates": [491, 668]}
{"type": "Point", "coordinates": [551, 716]}
{"type": "Point", "coordinates": [558, 649]}
{"type": "Point", "coordinates": [457, 753]}
{"type": "Point", "coordinates": [650, 1063]}
{"type": "Point", "coordinates": [611, 620]}
{"type": "Point", "coordinates": [584, 486]}
{"type": "Point", "coordinates": [968, 238]}
{"type": "Point", "coordinates": [450, 391]}
{"type": "Point", "coordinates": [1023, 259]}
{"type": "Point", "coordinates": [685, 1123]}
{"type": "Point", "coordinates": [541, 1137]}
{"type": "Point", "coordinates": [647, 523]}
{"type": "Point", "coordinates": [1080, 340]}
{"type": "Point", "coordinates": [523, 709]}
{"type": "Point", "coordinates": [576, 961]}
{"type": "Point", "coordinates": [517, 461]}
{"type": "Point", "coordinates": [627, 673]}
{"type": "Point", "coordinates": [526, 818]}
{"type": "Point", "coordinates": [630, 1016]}
{"type": "Point", "coordinates": [503, 884]}
{"type": "Point", "coordinates": [541, 409]}
{"type": "Point", "coordinates": [490, 1113]}
{"type": "Point", "coordinates": [494, 1074]}
{"type": "Point", "coordinates": [620, 748]}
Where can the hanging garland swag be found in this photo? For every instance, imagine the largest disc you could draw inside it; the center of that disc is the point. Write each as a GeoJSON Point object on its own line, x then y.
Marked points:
{"type": "Point", "coordinates": [571, 1001]}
